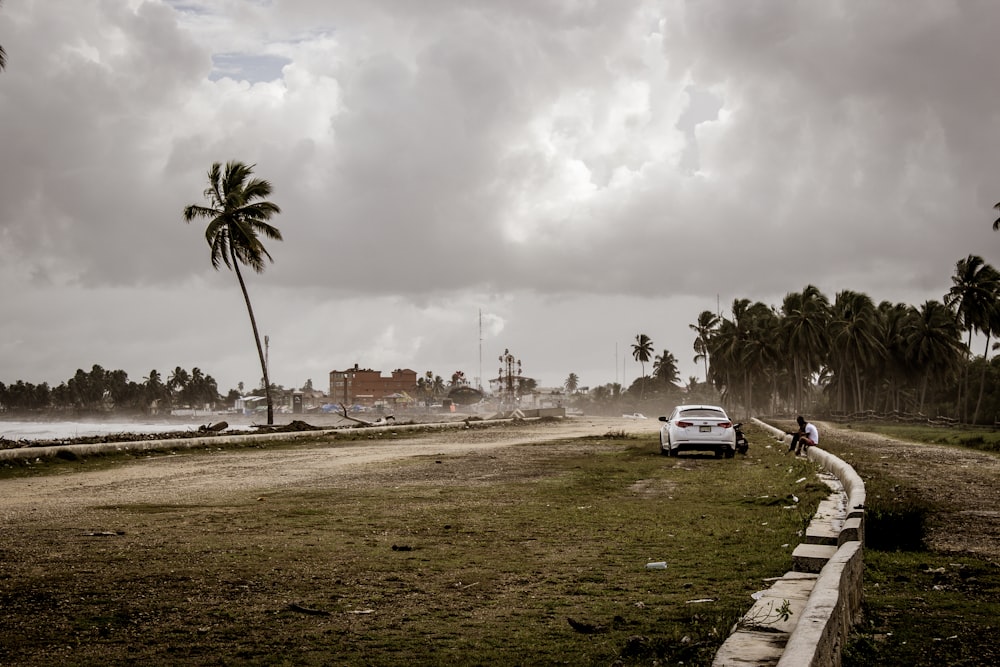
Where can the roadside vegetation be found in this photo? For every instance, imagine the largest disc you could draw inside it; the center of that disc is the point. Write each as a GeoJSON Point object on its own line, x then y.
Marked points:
{"type": "Point", "coordinates": [986, 439]}
{"type": "Point", "coordinates": [529, 554]}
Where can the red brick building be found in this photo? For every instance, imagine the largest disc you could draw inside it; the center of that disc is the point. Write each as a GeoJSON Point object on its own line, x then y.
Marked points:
{"type": "Point", "coordinates": [364, 386]}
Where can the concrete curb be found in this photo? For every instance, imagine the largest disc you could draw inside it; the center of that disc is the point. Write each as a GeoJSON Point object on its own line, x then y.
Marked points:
{"type": "Point", "coordinates": [833, 603]}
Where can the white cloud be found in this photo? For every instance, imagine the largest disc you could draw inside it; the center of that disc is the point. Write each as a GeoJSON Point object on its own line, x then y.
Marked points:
{"type": "Point", "coordinates": [580, 172]}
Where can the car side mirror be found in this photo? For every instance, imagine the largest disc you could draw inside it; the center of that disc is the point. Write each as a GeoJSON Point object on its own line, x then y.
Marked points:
{"type": "Point", "coordinates": [663, 419]}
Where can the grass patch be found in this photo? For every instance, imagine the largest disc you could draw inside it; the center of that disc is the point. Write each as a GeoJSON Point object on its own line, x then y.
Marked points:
{"type": "Point", "coordinates": [983, 438]}
{"type": "Point", "coordinates": [522, 555]}
{"type": "Point", "coordinates": [927, 609]}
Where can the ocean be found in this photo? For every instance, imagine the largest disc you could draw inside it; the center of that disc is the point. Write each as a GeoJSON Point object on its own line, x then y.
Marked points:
{"type": "Point", "coordinates": [28, 430]}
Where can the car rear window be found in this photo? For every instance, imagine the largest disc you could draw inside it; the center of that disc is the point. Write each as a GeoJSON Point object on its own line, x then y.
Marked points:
{"type": "Point", "coordinates": [702, 412]}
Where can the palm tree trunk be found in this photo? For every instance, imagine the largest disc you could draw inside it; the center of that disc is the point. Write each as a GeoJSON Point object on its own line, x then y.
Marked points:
{"type": "Point", "coordinates": [749, 396]}
{"type": "Point", "coordinates": [982, 380]}
{"type": "Point", "coordinates": [963, 385]}
{"type": "Point", "coordinates": [857, 382]}
{"type": "Point", "coordinates": [256, 337]}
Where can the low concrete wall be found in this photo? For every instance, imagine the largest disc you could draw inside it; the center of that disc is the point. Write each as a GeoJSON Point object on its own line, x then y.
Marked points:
{"type": "Point", "coordinates": [833, 608]}
{"type": "Point", "coordinates": [191, 443]}
{"type": "Point", "coordinates": [853, 486]}
{"type": "Point", "coordinates": [834, 603]}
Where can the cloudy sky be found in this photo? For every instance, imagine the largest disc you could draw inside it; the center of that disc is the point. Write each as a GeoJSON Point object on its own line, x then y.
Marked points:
{"type": "Point", "coordinates": [578, 172]}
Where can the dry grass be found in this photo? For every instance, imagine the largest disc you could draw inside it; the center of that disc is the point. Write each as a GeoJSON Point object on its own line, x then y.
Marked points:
{"type": "Point", "coordinates": [529, 554]}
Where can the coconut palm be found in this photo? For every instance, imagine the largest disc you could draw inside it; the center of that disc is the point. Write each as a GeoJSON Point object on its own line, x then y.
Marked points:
{"type": "Point", "coordinates": [642, 348]}
{"type": "Point", "coordinates": [760, 351]}
{"type": "Point", "coordinates": [238, 215]}
{"type": "Point", "coordinates": [572, 383]}
{"type": "Point", "coordinates": [896, 370]}
{"type": "Point", "coordinates": [155, 390]}
{"type": "Point", "coordinates": [178, 380]}
{"type": "Point", "coordinates": [805, 317]}
{"type": "Point", "coordinates": [972, 298]}
{"type": "Point", "coordinates": [933, 343]}
{"type": "Point", "coordinates": [707, 323]}
{"type": "Point", "coordinates": [996, 223]}
{"type": "Point", "coordinates": [991, 327]}
{"type": "Point", "coordinates": [855, 343]}
{"type": "Point", "coordinates": [724, 348]}
{"type": "Point", "coordinates": [665, 368]}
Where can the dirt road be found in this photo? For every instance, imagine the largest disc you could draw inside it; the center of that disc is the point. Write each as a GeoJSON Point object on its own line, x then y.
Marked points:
{"type": "Point", "coordinates": [963, 484]}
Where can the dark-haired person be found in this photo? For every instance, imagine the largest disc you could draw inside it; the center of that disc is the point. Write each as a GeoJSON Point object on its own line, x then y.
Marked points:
{"type": "Point", "coordinates": [805, 437]}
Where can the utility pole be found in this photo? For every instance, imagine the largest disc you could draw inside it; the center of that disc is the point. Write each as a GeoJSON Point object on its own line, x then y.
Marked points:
{"type": "Point", "coordinates": [479, 380]}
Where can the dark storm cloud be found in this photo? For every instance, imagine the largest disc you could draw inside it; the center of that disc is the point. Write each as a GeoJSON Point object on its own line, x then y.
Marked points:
{"type": "Point", "coordinates": [542, 160]}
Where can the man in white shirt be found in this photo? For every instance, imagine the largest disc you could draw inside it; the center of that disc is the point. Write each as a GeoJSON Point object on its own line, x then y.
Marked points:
{"type": "Point", "coordinates": [805, 437]}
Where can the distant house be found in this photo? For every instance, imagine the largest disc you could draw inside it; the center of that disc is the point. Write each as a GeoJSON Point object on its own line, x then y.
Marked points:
{"type": "Point", "coordinates": [363, 386]}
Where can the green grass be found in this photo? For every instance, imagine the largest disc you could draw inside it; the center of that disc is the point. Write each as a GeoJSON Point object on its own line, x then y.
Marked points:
{"type": "Point", "coordinates": [471, 558]}
{"type": "Point", "coordinates": [927, 609]}
{"type": "Point", "coordinates": [983, 438]}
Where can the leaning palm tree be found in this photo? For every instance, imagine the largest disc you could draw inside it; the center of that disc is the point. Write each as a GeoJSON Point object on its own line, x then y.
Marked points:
{"type": "Point", "coordinates": [238, 215]}
{"type": "Point", "coordinates": [3, 55]}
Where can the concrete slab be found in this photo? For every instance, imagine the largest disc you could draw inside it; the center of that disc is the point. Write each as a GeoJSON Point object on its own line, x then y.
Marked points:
{"type": "Point", "coordinates": [764, 614]}
{"type": "Point", "coordinates": [853, 531]}
{"type": "Point", "coordinates": [747, 648]}
{"type": "Point", "coordinates": [812, 557]}
{"type": "Point", "coordinates": [821, 532]}
{"type": "Point", "coordinates": [793, 586]}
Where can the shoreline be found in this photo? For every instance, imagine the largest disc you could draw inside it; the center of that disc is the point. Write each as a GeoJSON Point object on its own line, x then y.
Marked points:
{"type": "Point", "coordinates": [20, 432]}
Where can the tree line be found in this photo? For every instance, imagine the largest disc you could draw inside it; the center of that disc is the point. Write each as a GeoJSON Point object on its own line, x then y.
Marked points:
{"type": "Point", "coordinates": [849, 354]}
{"type": "Point", "coordinates": [101, 390]}
{"type": "Point", "coordinates": [838, 356]}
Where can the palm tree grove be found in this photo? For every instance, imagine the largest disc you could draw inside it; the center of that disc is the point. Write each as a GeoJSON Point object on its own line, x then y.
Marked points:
{"type": "Point", "coordinates": [849, 354]}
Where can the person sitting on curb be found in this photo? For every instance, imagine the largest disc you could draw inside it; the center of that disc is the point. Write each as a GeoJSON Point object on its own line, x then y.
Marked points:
{"type": "Point", "coordinates": [805, 437]}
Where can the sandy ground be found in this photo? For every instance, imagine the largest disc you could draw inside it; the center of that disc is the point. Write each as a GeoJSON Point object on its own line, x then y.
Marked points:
{"type": "Point", "coordinates": [185, 477]}
{"type": "Point", "coordinates": [965, 483]}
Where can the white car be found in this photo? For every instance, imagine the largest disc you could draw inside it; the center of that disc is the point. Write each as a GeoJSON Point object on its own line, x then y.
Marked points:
{"type": "Point", "coordinates": [700, 428]}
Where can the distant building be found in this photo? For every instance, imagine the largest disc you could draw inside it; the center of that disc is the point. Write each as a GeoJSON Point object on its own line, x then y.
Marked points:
{"type": "Point", "coordinates": [364, 386]}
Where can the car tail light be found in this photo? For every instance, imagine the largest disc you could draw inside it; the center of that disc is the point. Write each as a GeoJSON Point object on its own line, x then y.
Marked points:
{"type": "Point", "coordinates": [725, 424]}
{"type": "Point", "coordinates": [683, 424]}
